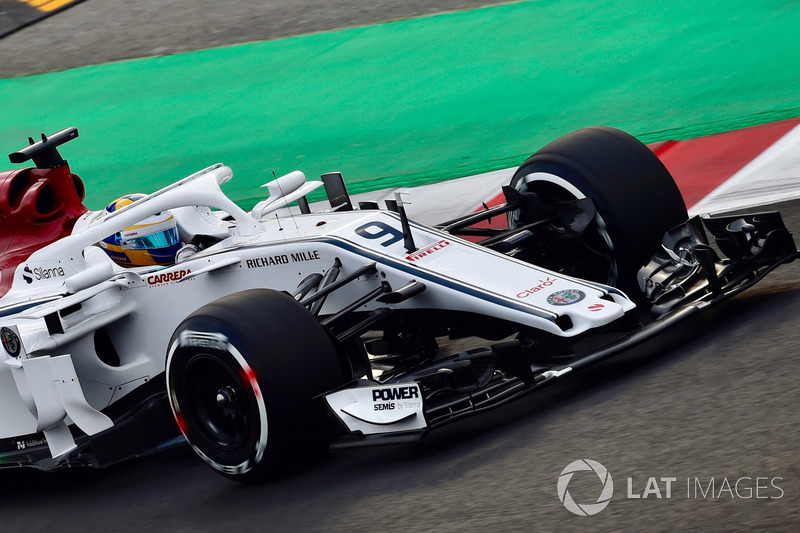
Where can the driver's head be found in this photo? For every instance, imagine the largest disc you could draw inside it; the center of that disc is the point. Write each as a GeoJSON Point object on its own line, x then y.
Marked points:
{"type": "Point", "coordinates": [153, 241]}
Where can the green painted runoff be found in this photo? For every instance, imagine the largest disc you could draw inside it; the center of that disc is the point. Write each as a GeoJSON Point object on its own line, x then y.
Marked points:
{"type": "Point", "coordinates": [419, 100]}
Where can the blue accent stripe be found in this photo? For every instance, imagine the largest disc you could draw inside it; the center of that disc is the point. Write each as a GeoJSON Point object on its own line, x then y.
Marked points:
{"type": "Point", "coordinates": [418, 272]}
{"type": "Point", "coordinates": [428, 275]}
{"type": "Point", "coordinates": [14, 309]}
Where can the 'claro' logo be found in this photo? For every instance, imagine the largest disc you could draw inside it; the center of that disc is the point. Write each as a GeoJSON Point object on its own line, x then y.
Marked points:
{"type": "Point", "coordinates": [167, 277]}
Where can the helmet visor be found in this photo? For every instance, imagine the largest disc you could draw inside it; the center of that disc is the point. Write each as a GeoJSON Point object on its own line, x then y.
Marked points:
{"type": "Point", "coordinates": [162, 239]}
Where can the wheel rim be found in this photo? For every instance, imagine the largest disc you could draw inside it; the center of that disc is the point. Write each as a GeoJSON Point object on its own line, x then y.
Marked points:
{"type": "Point", "coordinates": [552, 188]}
{"type": "Point", "coordinates": [218, 400]}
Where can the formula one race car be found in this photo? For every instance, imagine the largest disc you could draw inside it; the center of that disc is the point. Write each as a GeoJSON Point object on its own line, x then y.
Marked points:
{"type": "Point", "coordinates": [265, 337]}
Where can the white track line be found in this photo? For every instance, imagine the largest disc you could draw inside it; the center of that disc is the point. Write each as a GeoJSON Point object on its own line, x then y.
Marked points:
{"type": "Point", "coordinates": [773, 176]}
{"type": "Point", "coordinates": [439, 202]}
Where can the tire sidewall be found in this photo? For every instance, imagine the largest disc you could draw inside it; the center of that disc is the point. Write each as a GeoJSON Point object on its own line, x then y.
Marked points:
{"type": "Point", "coordinates": [287, 359]}
{"type": "Point", "coordinates": [230, 460]}
{"type": "Point", "coordinates": [636, 198]}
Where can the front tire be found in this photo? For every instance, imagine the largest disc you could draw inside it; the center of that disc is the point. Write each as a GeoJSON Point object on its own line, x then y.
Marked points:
{"type": "Point", "coordinates": [242, 374]}
{"type": "Point", "coordinates": [636, 198]}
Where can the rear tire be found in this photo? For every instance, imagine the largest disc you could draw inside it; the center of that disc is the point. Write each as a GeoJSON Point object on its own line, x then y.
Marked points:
{"type": "Point", "coordinates": [242, 373]}
{"type": "Point", "coordinates": [636, 198]}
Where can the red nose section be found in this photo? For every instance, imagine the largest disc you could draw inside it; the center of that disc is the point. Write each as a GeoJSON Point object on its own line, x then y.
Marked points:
{"type": "Point", "coordinates": [37, 206]}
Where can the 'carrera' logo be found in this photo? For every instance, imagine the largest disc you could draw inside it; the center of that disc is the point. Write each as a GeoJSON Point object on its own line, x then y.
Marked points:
{"type": "Point", "coordinates": [168, 277]}
{"type": "Point", "coordinates": [428, 250]}
{"type": "Point", "coordinates": [39, 273]}
{"type": "Point", "coordinates": [395, 393]}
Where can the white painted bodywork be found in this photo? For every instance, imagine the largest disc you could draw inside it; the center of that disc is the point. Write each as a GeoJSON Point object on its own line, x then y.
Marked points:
{"type": "Point", "coordinates": [140, 308]}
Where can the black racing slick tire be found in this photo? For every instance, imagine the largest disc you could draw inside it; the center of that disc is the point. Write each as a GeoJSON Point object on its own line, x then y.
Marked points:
{"type": "Point", "coordinates": [242, 374]}
{"type": "Point", "coordinates": [636, 198]}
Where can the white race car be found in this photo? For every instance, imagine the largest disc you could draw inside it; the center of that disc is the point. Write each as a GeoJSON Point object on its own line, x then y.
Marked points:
{"type": "Point", "coordinates": [265, 337]}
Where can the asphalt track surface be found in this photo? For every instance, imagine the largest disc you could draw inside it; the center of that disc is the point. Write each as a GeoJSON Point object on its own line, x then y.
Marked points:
{"type": "Point", "coordinates": [714, 398]}
{"type": "Point", "coordinates": [97, 32]}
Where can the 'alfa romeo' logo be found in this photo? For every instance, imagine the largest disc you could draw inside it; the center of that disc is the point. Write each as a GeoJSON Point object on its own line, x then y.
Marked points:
{"type": "Point", "coordinates": [585, 509]}
{"type": "Point", "coordinates": [10, 341]}
{"type": "Point", "coordinates": [566, 297]}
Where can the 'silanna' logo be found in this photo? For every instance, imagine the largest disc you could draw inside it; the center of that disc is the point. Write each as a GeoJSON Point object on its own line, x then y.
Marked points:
{"type": "Point", "coordinates": [585, 509]}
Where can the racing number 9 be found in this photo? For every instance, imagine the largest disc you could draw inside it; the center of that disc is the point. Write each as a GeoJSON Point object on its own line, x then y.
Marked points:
{"type": "Point", "coordinates": [383, 230]}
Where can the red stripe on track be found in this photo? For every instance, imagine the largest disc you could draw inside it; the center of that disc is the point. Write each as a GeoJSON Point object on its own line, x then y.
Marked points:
{"type": "Point", "coordinates": [701, 165]}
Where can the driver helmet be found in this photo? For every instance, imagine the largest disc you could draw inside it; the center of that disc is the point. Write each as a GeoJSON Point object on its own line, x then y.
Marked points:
{"type": "Point", "coordinates": [153, 241]}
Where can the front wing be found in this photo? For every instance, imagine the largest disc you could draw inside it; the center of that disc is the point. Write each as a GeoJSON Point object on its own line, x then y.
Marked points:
{"type": "Point", "coordinates": [686, 276]}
